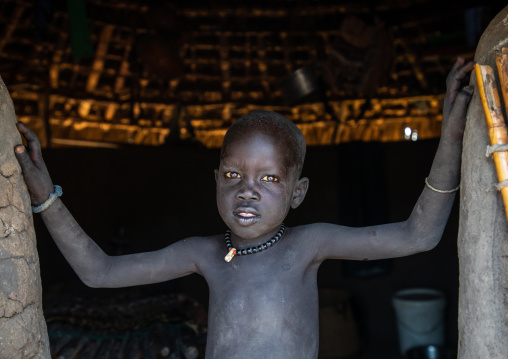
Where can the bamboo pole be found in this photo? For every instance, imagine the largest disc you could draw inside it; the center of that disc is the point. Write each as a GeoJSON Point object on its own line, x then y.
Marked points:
{"type": "Point", "coordinates": [495, 123]}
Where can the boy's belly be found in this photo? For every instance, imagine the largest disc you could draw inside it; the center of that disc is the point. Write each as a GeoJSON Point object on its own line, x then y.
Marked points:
{"type": "Point", "coordinates": [263, 323]}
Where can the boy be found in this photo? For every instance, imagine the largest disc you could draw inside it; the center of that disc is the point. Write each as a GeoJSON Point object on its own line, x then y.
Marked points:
{"type": "Point", "coordinates": [263, 299]}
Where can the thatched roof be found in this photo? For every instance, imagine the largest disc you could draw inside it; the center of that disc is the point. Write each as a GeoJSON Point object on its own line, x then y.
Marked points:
{"type": "Point", "coordinates": [160, 72]}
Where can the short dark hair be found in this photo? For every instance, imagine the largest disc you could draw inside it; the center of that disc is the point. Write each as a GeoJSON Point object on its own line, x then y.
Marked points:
{"type": "Point", "coordinates": [272, 124]}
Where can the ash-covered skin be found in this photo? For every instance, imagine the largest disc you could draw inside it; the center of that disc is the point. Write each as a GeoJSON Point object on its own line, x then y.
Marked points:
{"type": "Point", "coordinates": [263, 305]}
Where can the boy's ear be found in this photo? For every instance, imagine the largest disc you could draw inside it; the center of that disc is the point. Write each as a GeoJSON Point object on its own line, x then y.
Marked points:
{"type": "Point", "coordinates": [300, 192]}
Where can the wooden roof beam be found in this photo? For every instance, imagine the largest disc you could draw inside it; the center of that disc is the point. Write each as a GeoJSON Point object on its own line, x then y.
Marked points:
{"type": "Point", "coordinates": [54, 70]}
{"type": "Point", "coordinates": [123, 72]}
{"type": "Point", "coordinates": [100, 54]}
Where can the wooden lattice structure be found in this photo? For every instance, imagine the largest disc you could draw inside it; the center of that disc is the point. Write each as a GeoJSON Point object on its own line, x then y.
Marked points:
{"type": "Point", "coordinates": [186, 71]}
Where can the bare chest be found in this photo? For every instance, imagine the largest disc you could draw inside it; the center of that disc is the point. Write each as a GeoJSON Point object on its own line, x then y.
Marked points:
{"type": "Point", "coordinates": [263, 306]}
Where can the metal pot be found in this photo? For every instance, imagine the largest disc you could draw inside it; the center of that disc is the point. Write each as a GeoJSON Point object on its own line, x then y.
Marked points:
{"type": "Point", "coordinates": [300, 85]}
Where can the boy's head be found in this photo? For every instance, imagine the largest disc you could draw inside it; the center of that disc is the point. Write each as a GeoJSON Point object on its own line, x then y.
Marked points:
{"type": "Point", "coordinates": [258, 179]}
{"type": "Point", "coordinates": [274, 125]}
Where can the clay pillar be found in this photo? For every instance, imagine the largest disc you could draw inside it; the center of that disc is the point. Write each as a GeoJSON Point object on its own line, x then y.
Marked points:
{"type": "Point", "coordinates": [22, 327]}
{"type": "Point", "coordinates": [483, 230]}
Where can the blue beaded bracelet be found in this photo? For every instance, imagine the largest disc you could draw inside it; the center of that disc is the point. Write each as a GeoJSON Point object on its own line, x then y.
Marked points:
{"type": "Point", "coordinates": [52, 198]}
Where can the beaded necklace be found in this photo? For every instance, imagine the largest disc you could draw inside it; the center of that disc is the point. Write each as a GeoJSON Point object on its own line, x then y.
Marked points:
{"type": "Point", "coordinates": [242, 252]}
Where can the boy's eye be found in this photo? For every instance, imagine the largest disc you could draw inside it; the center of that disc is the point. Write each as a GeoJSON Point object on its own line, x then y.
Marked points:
{"type": "Point", "coordinates": [232, 174]}
{"type": "Point", "coordinates": [269, 178]}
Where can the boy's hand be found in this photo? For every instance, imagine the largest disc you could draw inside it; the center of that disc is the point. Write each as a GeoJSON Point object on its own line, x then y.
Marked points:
{"type": "Point", "coordinates": [455, 102]}
{"type": "Point", "coordinates": [34, 170]}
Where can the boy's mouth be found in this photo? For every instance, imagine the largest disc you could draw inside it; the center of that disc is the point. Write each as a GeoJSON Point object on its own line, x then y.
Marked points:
{"type": "Point", "coordinates": [246, 215]}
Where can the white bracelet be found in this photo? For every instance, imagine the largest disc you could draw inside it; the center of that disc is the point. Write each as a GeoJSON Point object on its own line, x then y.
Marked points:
{"type": "Point", "coordinates": [440, 190]}
{"type": "Point", "coordinates": [52, 198]}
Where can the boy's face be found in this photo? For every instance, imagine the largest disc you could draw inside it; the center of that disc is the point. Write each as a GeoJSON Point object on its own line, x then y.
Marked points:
{"type": "Point", "coordinates": [255, 187]}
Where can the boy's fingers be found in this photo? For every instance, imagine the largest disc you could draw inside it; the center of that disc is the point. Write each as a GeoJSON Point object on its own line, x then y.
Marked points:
{"type": "Point", "coordinates": [464, 71]}
{"type": "Point", "coordinates": [460, 60]}
{"type": "Point", "coordinates": [453, 84]}
{"type": "Point", "coordinates": [23, 158]}
{"type": "Point", "coordinates": [457, 75]}
{"type": "Point", "coordinates": [450, 79]}
{"type": "Point", "coordinates": [26, 132]}
{"type": "Point", "coordinates": [22, 128]}
{"type": "Point", "coordinates": [460, 106]}
{"type": "Point", "coordinates": [33, 143]}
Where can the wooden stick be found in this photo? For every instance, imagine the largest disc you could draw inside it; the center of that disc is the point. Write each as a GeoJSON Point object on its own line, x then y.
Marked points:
{"type": "Point", "coordinates": [495, 122]}
{"type": "Point", "coordinates": [502, 70]}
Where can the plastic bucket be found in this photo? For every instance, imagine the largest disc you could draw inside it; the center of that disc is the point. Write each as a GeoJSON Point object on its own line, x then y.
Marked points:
{"type": "Point", "coordinates": [420, 317]}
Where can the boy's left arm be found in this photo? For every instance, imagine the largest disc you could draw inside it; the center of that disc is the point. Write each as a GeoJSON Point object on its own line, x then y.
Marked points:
{"type": "Point", "coordinates": [424, 228]}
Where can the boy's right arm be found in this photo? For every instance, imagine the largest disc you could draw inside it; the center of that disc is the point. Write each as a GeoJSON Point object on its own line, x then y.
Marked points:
{"type": "Point", "coordinates": [94, 267]}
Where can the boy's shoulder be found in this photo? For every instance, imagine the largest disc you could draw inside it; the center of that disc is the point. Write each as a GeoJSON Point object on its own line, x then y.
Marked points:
{"type": "Point", "coordinates": [315, 230]}
{"type": "Point", "coordinates": [315, 237]}
{"type": "Point", "coordinates": [199, 250]}
{"type": "Point", "coordinates": [308, 235]}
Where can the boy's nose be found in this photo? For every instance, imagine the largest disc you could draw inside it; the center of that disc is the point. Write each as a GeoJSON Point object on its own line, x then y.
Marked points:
{"type": "Point", "coordinates": [247, 193]}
